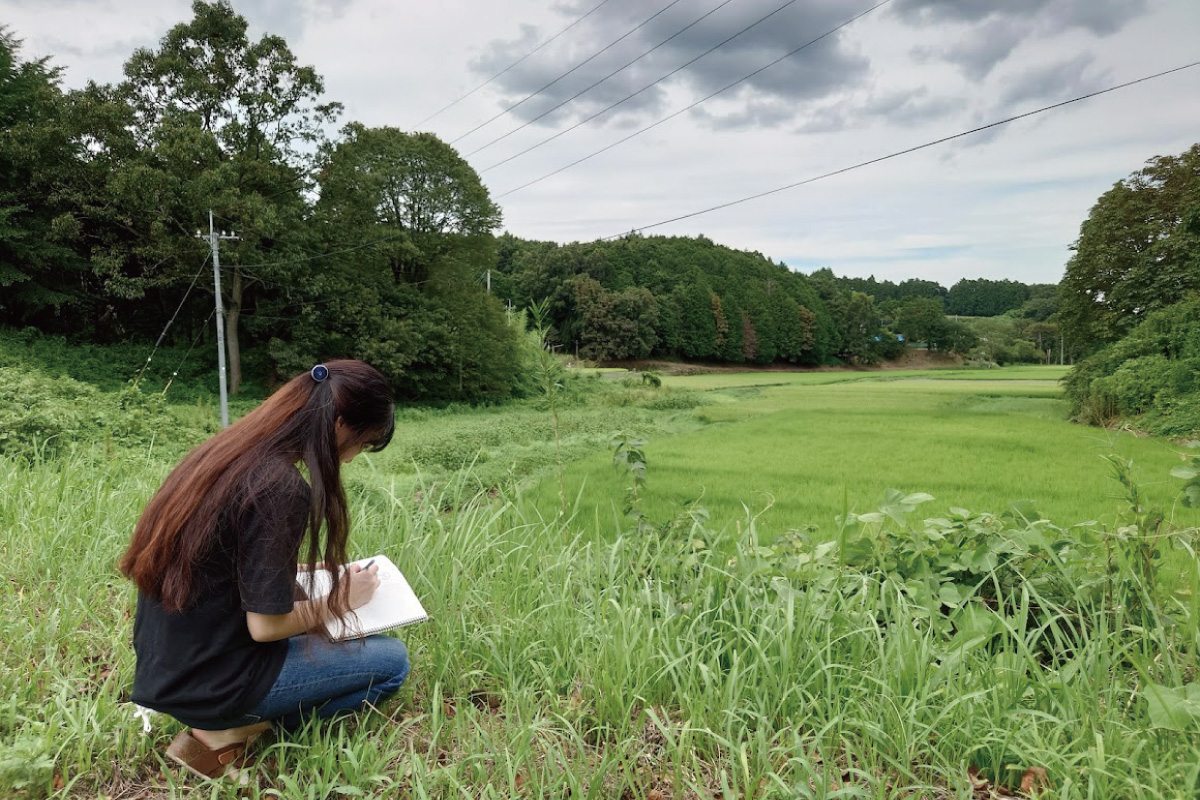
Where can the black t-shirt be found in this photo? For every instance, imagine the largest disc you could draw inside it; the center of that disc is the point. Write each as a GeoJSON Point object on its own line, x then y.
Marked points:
{"type": "Point", "coordinates": [201, 663]}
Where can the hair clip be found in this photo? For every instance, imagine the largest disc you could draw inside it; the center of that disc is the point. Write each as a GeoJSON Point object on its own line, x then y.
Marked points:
{"type": "Point", "coordinates": [319, 373]}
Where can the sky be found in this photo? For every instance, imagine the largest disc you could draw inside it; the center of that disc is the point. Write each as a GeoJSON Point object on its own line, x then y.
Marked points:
{"type": "Point", "coordinates": [681, 95]}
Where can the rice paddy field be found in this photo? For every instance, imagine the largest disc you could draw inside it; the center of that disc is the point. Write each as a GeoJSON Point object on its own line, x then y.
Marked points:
{"type": "Point", "coordinates": [757, 650]}
{"type": "Point", "coordinates": [796, 450]}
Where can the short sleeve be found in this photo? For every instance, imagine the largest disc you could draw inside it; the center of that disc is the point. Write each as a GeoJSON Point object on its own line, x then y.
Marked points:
{"type": "Point", "coordinates": [269, 536]}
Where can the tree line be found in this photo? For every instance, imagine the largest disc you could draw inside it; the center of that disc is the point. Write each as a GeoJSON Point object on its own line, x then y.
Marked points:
{"type": "Point", "coordinates": [374, 242]}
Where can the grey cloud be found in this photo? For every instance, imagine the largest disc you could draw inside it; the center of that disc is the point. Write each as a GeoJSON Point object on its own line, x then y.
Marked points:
{"type": "Point", "coordinates": [123, 48]}
{"type": "Point", "coordinates": [926, 11]}
{"type": "Point", "coordinates": [990, 43]}
{"type": "Point", "coordinates": [911, 108]}
{"type": "Point", "coordinates": [817, 72]}
{"type": "Point", "coordinates": [754, 114]}
{"type": "Point", "coordinates": [1101, 17]}
{"type": "Point", "coordinates": [996, 29]}
{"type": "Point", "coordinates": [898, 107]}
{"type": "Point", "coordinates": [1058, 81]}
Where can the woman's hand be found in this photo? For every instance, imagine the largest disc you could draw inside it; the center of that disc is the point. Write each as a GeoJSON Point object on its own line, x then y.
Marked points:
{"type": "Point", "coordinates": [363, 583]}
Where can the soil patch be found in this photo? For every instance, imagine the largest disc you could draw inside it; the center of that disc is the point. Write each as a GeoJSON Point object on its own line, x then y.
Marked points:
{"type": "Point", "coordinates": [912, 359]}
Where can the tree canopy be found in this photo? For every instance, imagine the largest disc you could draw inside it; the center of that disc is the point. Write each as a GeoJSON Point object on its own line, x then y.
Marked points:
{"type": "Point", "coordinates": [1138, 251]}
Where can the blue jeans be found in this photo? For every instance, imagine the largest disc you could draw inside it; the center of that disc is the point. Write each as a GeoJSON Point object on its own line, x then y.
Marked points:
{"type": "Point", "coordinates": [326, 679]}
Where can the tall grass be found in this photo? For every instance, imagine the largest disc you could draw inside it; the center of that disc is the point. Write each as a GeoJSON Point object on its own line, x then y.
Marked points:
{"type": "Point", "coordinates": [566, 661]}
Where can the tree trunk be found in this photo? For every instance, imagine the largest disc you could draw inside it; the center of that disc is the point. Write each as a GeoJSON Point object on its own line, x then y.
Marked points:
{"type": "Point", "coordinates": [232, 314]}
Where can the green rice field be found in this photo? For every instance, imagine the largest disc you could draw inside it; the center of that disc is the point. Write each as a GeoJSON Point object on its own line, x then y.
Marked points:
{"type": "Point", "coordinates": [806, 447]}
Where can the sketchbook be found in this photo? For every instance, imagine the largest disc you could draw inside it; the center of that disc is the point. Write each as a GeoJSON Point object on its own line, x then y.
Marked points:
{"type": "Point", "coordinates": [393, 605]}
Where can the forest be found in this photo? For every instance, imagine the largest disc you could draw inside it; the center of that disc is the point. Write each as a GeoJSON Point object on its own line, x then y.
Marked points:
{"type": "Point", "coordinates": [337, 239]}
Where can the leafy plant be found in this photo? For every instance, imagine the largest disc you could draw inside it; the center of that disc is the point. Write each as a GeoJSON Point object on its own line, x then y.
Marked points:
{"type": "Point", "coordinates": [549, 372]}
{"type": "Point", "coordinates": [628, 454]}
{"type": "Point", "coordinates": [1190, 475]}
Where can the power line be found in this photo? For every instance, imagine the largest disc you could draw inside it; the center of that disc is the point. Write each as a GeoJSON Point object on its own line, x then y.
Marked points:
{"type": "Point", "coordinates": [906, 151]}
{"type": "Point", "coordinates": [510, 66]}
{"type": "Point", "coordinates": [624, 66]}
{"type": "Point", "coordinates": [170, 322]}
{"type": "Point", "coordinates": [195, 341]}
{"type": "Point", "coordinates": [319, 256]}
{"type": "Point", "coordinates": [726, 88]}
{"type": "Point", "coordinates": [602, 50]}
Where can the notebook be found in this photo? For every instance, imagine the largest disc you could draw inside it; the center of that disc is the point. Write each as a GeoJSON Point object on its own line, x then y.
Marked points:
{"type": "Point", "coordinates": [393, 605]}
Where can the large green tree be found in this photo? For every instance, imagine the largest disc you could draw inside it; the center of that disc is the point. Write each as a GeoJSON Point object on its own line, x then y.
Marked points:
{"type": "Point", "coordinates": [40, 269]}
{"type": "Point", "coordinates": [981, 297]}
{"type": "Point", "coordinates": [409, 227]}
{"type": "Point", "coordinates": [209, 119]}
{"type": "Point", "coordinates": [1134, 254]}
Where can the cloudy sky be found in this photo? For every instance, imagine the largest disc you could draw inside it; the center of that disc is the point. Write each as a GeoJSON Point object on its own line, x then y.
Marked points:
{"type": "Point", "coordinates": [681, 95]}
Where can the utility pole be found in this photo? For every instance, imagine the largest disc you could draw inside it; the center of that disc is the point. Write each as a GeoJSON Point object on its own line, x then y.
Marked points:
{"type": "Point", "coordinates": [489, 281]}
{"type": "Point", "coordinates": [214, 240]}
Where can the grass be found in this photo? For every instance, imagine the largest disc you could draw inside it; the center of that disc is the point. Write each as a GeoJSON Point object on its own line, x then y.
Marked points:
{"type": "Point", "coordinates": [726, 380]}
{"type": "Point", "coordinates": [613, 668]}
{"type": "Point", "coordinates": [798, 455]}
{"type": "Point", "coordinates": [691, 663]}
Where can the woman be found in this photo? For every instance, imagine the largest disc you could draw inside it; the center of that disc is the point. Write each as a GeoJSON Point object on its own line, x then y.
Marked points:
{"type": "Point", "coordinates": [222, 642]}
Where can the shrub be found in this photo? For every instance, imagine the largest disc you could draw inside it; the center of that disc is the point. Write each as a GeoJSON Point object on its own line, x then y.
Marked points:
{"type": "Point", "coordinates": [1153, 373]}
{"type": "Point", "coordinates": [41, 417]}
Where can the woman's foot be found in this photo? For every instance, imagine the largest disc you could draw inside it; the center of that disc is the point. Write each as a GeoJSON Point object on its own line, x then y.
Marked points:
{"type": "Point", "coordinates": [223, 738]}
{"type": "Point", "coordinates": [215, 754]}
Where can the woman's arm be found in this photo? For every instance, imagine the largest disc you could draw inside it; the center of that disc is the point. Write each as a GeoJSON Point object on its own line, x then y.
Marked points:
{"type": "Point", "coordinates": [308, 614]}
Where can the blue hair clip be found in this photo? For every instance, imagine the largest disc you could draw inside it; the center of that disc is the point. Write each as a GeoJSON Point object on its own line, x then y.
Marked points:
{"type": "Point", "coordinates": [319, 373]}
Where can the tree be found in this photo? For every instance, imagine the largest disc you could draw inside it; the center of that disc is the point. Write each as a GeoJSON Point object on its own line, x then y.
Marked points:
{"type": "Point", "coordinates": [427, 220]}
{"type": "Point", "coordinates": [985, 298]}
{"type": "Point", "coordinates": [1135, 253]}
{"type": "Point", "coordinates": [614, 325]}
{"type": "Point", "coordinates": [39, 163]}
{"type": "Point", "coordinates": [207, 120]}
{"type": "Point", "coordinates": [1045, 336]}
{"type": "Point", "coordinates": [417, 191]}
{"type": "Point", "coordinates": [921, 320]}
{"type": "Point", "coordinates": [697, 326]}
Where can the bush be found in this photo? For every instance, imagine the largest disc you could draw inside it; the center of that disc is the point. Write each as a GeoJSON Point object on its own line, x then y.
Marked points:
{"type": "Point", "coordinates": [38, 414]}
{"type": "Point", "coordinates": [42, 417]}
{"type": "Point", "coordinates": [1153, 373]}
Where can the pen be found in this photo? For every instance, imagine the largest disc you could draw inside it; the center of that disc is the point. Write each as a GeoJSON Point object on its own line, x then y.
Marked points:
{"type": "Point", "coordinates": [368, 565]}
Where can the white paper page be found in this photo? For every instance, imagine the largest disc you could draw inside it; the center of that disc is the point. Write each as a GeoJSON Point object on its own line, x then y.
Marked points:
{"type": "Point", "coordinates": [393, 605]}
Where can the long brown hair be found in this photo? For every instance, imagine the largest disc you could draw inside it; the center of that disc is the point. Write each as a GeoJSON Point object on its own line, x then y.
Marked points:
{"type": "Point", "coordinates": [234, 468]}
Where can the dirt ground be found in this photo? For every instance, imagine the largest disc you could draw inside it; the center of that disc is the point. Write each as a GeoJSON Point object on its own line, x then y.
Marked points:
{"type": "Point", "coordinates": [913, 359]}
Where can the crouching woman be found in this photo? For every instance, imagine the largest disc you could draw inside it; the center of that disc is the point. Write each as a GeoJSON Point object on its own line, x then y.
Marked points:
{"type": "Point", "coordinates": [223, 644]}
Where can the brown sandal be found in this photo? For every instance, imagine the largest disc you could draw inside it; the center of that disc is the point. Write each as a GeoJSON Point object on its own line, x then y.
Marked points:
{"type": "Point", "coordinates": [193, 755]}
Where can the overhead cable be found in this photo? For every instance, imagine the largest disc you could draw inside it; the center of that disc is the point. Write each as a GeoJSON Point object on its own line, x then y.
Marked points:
{"type": "Point", "coordinates": [513, 64]}
{"type": "Point", "coordinates": [171, 321]}
{"type": "Point", "coordinates": [599, 52]}
{"type": "Point", "coordinates": [636, 133]}
{"type": "Point", "coordinates": [624, 66]}
{"type": "Point", "coordinates": [906, 151]}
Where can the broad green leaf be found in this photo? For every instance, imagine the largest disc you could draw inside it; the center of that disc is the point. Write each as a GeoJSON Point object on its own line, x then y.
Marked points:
{"type": "Point", "coordinates": [950, 595]}
{"type": "Point", "coordinates": [916, 498]}
{"type": "Point", "coordinates": [1191, 496]}
{"type": "Point", "coordinates": [1185, 473]}
{"type": "Point", "coordinates": [1025, 509]}
{"type": "Point", "coordinates": [1174, 708]}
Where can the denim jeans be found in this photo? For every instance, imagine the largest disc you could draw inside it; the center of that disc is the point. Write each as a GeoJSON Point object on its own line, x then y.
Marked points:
{"type": "Point", "coordinates": [326, 679]}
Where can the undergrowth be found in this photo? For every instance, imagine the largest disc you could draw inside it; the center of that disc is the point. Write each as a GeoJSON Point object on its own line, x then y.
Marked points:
{"type": "Point", "coordinates": [674, 657]}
